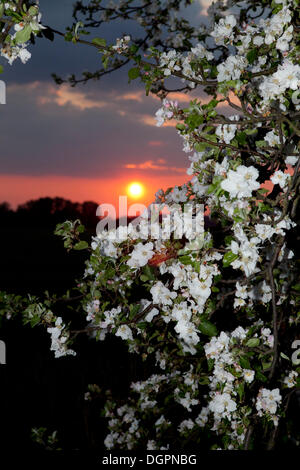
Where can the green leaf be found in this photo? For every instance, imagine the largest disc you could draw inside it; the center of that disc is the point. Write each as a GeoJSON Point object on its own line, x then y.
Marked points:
{"type": "Point", "coordinates": [228, 258]}
{"type": "Point", "coordinates": [252, 342]}
{"type": "Point", "coordinates": [149, 272]}
{"type": "Point", "coordinates": [35, 321]}
{"type": "Point", "coordinates": [33, 11]}
{"type": "Point", "coordinates": [284, 356]}
{"type": "Point", "coordinates": [134, 48]}
{"type": "Point", "coordinates": [261, 143]}
{"type": "Point", "coordinates": [250, 131]}
{"type": "Point", "coordinates": [260, 376]}
{"type": "Point", "coordinates": [133, 73]}
{"type": "Point", "coordinates": [252, 55]}
{"type": "Point", "coordinates": [228, 239]}
{"type": "Point", "coordinates": [185, 259]}
{"type": "Point", "coordinates": [81, 245]}
{"type": "Point", "coordinates": [204, 380]}
{"type": "Point", "coordinates": [99, 42]}
{"type": "Point", "coordinates": [134, 309]}
{"type": "Point", "coordinates": [215, 289]}
{"type": "Point", "coordinates": [194, 120]}
{"type": "Point", "coordinates": [266, 365]}
{"type": "Point", "coordinates": [80, 228]}
{"type": "Point", "coordinates": [68, 36]}
{"type": "Point", "coordinates": [105, 60]}
{"type": "Point", "coordinates": [200, 147]}
{"type": "Point", "coordinates": [208, 328]}
{"type": "Point", "coordinates": [240, 390]}
{"type": "Point", "coordinates": [241, 138]}
{"type": "Point", "coordinates": [212, 104]}
{"type": "Point", "coordinates": [244, 362]}
{"type": "Point", "coordinates": [23, 35]}
{"type": "Point", "coordinates": [263, 191]}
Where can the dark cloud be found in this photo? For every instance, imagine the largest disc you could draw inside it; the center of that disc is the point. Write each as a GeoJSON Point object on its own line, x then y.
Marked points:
{"type": "Point", "coordinates": [92, 130]}
{"type": "Point", "coordinates": [81, 132]}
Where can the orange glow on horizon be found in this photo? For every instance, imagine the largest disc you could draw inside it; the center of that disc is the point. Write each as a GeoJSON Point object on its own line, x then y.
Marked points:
{"type": "Point", "coordinates": [18, 189]}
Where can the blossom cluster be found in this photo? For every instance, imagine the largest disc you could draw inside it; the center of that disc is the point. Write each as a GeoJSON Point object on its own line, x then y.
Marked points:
{"type": "Point", "coordinates": [15, 45]}
{"type": "Point", "coordinates": [59, 339]}
{"type": "Point", "coordinates": [209, 307]}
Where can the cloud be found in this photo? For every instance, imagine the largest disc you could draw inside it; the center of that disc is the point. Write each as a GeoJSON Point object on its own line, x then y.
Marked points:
{"type": "Point", "coordinates": [150, 120]}
{"type": "Point", "coordinates": [133, 96]}
{"type": "Point", "coordinates": [204, 4]}
{"type": "Point", "coordinates": [155, 143]}
{"type": "Point", "coordinates": [83, 131]}
{"type": "Point", "coordinates": [154, 165]}
{"type": "Point", "coordinates": [66, 95]}
{"type": "Point", "coordinates": [176, 96]}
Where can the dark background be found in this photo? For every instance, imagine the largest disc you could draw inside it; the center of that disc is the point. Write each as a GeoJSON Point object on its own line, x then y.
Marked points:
{"type": "Point", "coordinates": [38, 390]}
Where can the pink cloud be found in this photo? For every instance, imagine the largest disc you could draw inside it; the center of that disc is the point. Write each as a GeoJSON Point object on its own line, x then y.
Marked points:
{"type": "Point", "coordinates": [155, 143]}
{"type": "Point", "coordinates": [152, 165]}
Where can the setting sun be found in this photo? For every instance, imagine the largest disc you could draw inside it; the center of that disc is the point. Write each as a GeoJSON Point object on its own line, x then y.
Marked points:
{"type": "Point", "coordinates": [135, 190]}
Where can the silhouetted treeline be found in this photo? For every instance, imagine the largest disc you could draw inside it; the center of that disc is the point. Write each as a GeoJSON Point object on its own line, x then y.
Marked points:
{"type": "Point", "coordinates": [38, 390]}
{"type": "Point", "coordinates": [48, 212]}
{"type": "Point", "coordinates": [33, 259]}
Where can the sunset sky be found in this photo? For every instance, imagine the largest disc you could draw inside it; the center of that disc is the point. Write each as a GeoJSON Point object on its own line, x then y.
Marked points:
{"type": "Point", "coordinates": [87, 142]}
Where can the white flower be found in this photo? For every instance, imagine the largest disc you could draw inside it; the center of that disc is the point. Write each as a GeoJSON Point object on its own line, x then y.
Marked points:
{"type": "Point", "coordinates": [226, 132]}
{"type": "Point", "coordinates": [223, 29]}
{"type": "Point", "coordinates": [272, 138]}
{"type": "Point", "coordinates": [59, 339]}
{"type": "Point", "coordinates": [291, 160]}
{"type": "Point", "coordinates": [187, 401]}
{"type": "Point", "coordinates": [242, 182]}
{"type": "Point", "coordinates": [150, 315]}
{"type": "Point", "coordinates": [290, 381]}
{"type": "Point", "coordinates": [124, 332]}
{"type": "Point", "coordinates": [121, 44]}
{"type": "Point", "coordinates": [241, 291]}
{"type": "Point", "coordinates": [222, 403]}
{"type": "Point", "coordinates": [165, 112]}
{"type": "Point", "coordinates": [141, 255]}
{"type": "Point", "coordinates": [179, 195]}
{"type": "Point", "coordinates": [200, 52]}
{"type": "Point", "coordinates": [248, 375]}
{"type": "Point", "coordinates": [286, 77]}
{"type": "Point", "coordinates": [232, 68]}
{"type": "Point", "coordinates": [161, 294]}
{"type": "Point", "coordinates": [239, 333]}
{"type": "Point", "coordinates": [202, 418]}
{"type": "Point", "coordinates": [267, 401]}
{"type": "Point", "coordinates": [267, 337]}
{"type": "Point", "coordinates": [169, 62]}
{"type": "Point", "coordinates": [261, 292]}
{"type": "Point", "coordinates": [283, 42]}
{"type": "Point", "coordinates": [280, 178]}
{"type": "Point", "coordinates": [186, 424]}
{"type": "Point", "coordinates": [264, 231]}
{"type": "Point", "coordinates": [151, 445]}
{"type": "Point", "coordinates": [258, 40]}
